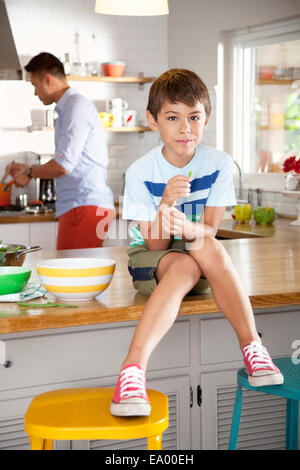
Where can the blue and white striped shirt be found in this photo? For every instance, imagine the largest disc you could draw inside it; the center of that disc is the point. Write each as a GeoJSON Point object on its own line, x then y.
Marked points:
{"type": "Point", "coordinates": [146, 178]}
{"type": "Point", "coordinates": [80, 148]}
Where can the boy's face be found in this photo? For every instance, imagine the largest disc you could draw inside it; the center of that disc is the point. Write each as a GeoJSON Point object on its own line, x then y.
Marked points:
{"type": "Point", "coordinates": [181, 129]}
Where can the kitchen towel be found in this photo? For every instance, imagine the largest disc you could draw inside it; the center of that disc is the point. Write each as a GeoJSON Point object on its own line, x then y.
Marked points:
{"type": "Point", "coordinates": [30, 291]}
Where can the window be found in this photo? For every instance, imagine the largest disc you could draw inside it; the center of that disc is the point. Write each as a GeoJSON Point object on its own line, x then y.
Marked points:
{"type": "Point", "coordinates": [266, 96]}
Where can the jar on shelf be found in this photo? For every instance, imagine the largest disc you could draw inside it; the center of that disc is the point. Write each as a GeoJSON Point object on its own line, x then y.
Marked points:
{"type": "Point", "coordinates": [78, 69]}
{"type": "Point", "coordinates": [292, 182]}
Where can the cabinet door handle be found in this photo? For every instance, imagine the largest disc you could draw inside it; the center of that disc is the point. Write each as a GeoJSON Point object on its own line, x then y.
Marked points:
{"type": "Point", "coordinates": [199, 395]}
{"type": "Point", "coordinates": [191, 397]}
{"type": "Point", "coordinates": [7, 364]}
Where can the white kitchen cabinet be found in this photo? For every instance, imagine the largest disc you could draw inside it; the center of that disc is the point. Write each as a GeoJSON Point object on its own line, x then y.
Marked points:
{"type": "Point", "coordinates": [15, 233]}
{"type": "Point", "coordinates": [43, 234]}
{"type": "Point", "coordinates": [262, 424]}
{"type": "Point", "coordinates": [34, 233]}
{"type": "Point", "coordinates": [195, 364]}
{"type": "Point", "coordinates": [49, 360]}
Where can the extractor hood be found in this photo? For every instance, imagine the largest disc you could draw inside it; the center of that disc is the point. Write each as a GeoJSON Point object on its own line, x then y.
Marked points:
{"type": "Point", "coordinates": [10, 67]}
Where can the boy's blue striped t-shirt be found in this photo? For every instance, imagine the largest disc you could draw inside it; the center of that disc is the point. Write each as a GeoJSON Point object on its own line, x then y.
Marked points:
{"type": "Point", "coordinates": [146, 179]}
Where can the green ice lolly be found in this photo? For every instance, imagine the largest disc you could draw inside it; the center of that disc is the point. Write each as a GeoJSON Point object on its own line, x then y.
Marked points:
{"type": "Point", "coordinates": [190, 174]}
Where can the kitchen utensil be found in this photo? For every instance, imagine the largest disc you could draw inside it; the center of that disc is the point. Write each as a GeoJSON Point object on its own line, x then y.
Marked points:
{"type": "Point", "coordinates": [7, 185]}
{"type": "Point", "coordinates": [47, 191]}
{"type": "Point", "coordinates": [129, 118]}
{"type": "Point", "coordinates": [113, 69]}
{"type": "Point", "coordinates": [76, 278]}
{"type": "Point", "coordinates": [116, 106]}
{"type": "Point", "coordinates": [13, 279]}
{"type": "Point", "coordinates": [107, 119]}
{"type": "Point", "coordinates": [9, 256]}
{"type": "Point", "coordinates": [5, 192]}
{"type": "Point", "coordinates": [21, 201]}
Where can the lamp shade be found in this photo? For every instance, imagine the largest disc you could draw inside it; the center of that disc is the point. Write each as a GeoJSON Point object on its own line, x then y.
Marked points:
{"type": "Point", "coordinates": [132, 7]}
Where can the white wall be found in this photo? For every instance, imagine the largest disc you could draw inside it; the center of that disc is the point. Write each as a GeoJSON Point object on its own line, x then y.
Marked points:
{"type": "Point", "coordinates": [50, 25]}
{"type": "Point", "coordinates": [195, 28]}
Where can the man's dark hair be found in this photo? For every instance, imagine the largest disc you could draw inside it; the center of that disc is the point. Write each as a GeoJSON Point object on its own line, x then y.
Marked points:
{"type": "Point", "coordinates": [178, 85]}
{"type": "Point", "coordinates": [46, 63]}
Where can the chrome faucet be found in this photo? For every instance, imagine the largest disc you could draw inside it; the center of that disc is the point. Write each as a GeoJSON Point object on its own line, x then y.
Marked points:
{"type": "Point", "coordinates": [259, 194]}
{"type": "Point", "coordinates": [240, 194]}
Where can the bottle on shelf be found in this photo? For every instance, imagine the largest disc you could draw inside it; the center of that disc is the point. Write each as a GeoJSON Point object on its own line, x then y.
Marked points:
{"type": "Point", "coordinates": [264, 116]}
{"type": "Point", "coordinates": [67, 64]}
{"type": "Point", "coordinates": [92, 66]}
{"type": "Point", "coordinates": [282, 71]}
{"type": "Point", "coordinates": [77, 65]}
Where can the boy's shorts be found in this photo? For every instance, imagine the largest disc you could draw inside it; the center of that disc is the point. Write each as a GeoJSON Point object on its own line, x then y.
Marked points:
{"type": "Point", "coordinates": [142, 265]}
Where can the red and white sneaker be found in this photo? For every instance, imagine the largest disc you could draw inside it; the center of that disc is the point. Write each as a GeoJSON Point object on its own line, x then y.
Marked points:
{"type": "Point", "coordinates": [130, 395]}
{"type": "Point", "coordinates": [260, 367]}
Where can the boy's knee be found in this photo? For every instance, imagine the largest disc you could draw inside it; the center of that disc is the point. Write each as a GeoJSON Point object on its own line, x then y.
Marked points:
{"type": "Point", "coordinates": [212, 247]}
{"type": "Point", "coordinates": [185, 267]}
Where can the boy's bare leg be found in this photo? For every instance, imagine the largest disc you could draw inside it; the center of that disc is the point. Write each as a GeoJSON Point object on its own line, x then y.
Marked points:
{"type": "Point", "coordinates": [177, 273]}
{"type": "Point", "coordinates": [228, 290]}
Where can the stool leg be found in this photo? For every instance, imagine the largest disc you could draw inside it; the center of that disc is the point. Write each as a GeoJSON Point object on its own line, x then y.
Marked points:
{"type": "Point", "coordinates": [291, 438]}
{"type": "Point", "coordinates": [36, 443]}
{"type": "Point", "coordinates": [48, 444]}
{"type": "Point", "coordinates": [155, 442]}
{"type": "Point", "coordinates": [236, 419]}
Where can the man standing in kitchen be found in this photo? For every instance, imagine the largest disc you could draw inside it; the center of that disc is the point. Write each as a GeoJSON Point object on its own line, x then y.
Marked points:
{"type": "Point", "coordinates": [84, 202]}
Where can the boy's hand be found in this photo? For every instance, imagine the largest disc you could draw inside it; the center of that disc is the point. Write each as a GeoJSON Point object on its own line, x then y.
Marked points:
{"type": "Point", "coordinates": [175, 222]}
{"type": "Point", "coordinates": [177, 187]}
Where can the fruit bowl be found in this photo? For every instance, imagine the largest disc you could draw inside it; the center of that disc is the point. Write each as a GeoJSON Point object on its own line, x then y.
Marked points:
{"type": "Point", "coordinates": [76, 279]}
{"type": "Point", "coordinates": [13, 279]}
{"type": "Point", "coordinates": [113, 69]}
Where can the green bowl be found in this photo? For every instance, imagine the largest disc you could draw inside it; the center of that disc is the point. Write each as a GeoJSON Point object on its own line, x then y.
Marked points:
{"type": "Point", "coordinates": [13, 279]}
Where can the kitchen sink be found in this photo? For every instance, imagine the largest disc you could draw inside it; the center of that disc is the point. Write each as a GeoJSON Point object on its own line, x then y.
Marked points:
{"type": "Point", "coordinates": [223, 234]}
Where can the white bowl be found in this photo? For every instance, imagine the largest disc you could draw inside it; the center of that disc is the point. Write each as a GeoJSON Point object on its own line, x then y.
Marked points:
{"type": "Point", "coordinates": [76, 279]}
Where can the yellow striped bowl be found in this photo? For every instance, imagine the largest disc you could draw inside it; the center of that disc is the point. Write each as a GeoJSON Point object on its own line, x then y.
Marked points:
{"type": "Point", "coordinates": [76, 279]}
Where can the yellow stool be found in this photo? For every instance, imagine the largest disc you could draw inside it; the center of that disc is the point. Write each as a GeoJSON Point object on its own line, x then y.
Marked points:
{"type": "Point", "coordinates": [84, 413]}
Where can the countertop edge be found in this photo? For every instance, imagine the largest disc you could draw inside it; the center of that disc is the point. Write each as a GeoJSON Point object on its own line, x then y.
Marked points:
{"type": "Point", "coordinates": [194, 306]}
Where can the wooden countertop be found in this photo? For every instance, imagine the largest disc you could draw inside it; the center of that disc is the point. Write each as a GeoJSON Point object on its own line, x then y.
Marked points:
{"type": "Point", "coordinates": [269, 266]}
{"type": "Point", "coordinates": [28, 218]}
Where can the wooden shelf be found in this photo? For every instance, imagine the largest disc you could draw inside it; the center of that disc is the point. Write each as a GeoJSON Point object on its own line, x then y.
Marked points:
{"type": "Point", "coordinates": [112, 129]}
{"type": "Point", "coordinates": [276, 82]}
{"type": "Point", "coordinates": [110, 79]}
{"type": "Point", "coordinates": [128, 129]}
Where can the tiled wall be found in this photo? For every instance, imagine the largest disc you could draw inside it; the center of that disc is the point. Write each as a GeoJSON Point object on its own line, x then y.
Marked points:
{"type": "Point", "coordinates": [51, 25]}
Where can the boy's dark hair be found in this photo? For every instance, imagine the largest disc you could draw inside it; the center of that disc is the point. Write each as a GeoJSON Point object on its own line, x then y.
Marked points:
{"type": "Point", "coordinates": [178, 85]}
{"type": "Point", "coordinates": [46, 63]}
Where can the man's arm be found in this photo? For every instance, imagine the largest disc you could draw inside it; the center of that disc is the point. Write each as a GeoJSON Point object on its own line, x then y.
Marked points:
{"type": "Point", "coordinates": [49, 170]}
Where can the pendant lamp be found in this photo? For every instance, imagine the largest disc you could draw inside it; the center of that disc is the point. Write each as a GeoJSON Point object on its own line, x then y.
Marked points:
{"type": "Point", "coordinates": [132, 7]}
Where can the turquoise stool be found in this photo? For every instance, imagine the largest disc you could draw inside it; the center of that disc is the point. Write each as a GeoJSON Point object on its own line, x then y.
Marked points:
{"type": "Point", "coordinates": [290, 390]}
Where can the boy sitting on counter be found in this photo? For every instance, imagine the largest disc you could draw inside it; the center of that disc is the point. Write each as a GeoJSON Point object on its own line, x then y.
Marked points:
{"type": "Point", "coordinates": [177, 194]}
